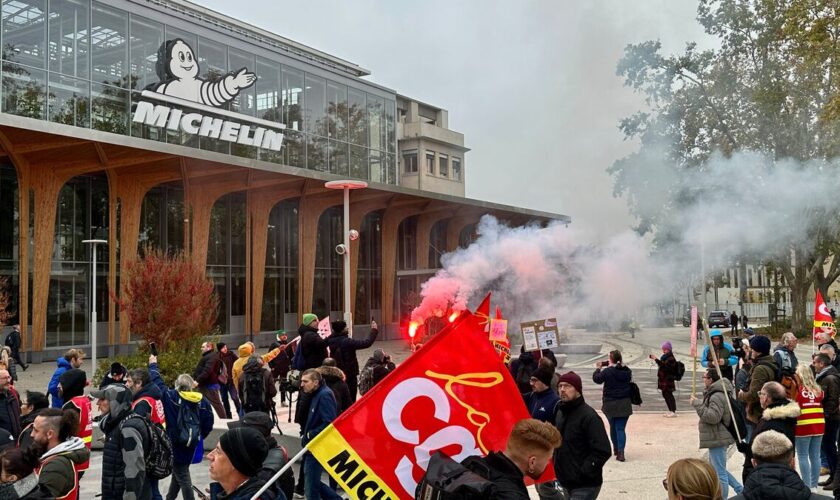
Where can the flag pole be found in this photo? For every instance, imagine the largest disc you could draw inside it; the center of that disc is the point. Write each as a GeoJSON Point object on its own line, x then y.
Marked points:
{"type": "Point", "coordinates": [279, 473]}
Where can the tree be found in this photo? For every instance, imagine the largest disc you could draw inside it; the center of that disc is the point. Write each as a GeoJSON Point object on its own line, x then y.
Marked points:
{"type": "Point", "coordinates": [770, 87]}
{"type": "Point", "coordinates": [167, 298]}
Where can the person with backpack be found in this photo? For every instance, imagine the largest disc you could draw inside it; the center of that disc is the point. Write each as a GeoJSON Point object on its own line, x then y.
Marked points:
{"type": "Point", "coordinates": [206, 374]}
{"type": "Point", "coordinates": [146, 402]}
{"type": "Point", "coordinates": [764, 369]}
{"type": "Point", "coordinates": [786, 360]}
{"type": "Point", "coordinates": [245, 352]}
{"type": "Point", "coordinates": [60, 450]}
{"type": "Point", "coordinates": [521, 368]}
{"type": "Point", "coordinates": [281, 365]}
{"type": "Point", "coordinates": [724, 352]}
{"type": "Point", "coordinates": [343, 350]}
{"type": "Point", "coordinates": [190, 420]}
{"type": "Point", "coordinates": [810, 426]}
{"type": "Point", "coordinates": [528, 452]}
{"type": "Point", "coordinates": [377, 367]}
{"type": "Point", "coordinates": [72, 387]}
{"type": "Point", "coordinates": [829, 380]}
{"type": "Point", "coordinates": [616, 401]}
{"type": "Point", "coordinates": [127, 442]}
{"type": "Point", "coordinates": [256, 387]}
{"type": "Point", "coordinates": [714, 416]}
{"type": "Point", "coordinates": [276, 458]}
{"type": "Point", "coordinates": [666, 374]}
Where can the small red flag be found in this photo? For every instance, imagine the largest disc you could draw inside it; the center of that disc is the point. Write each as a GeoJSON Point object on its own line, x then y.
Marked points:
{"type": "Point", "coordinates": [822, 318]}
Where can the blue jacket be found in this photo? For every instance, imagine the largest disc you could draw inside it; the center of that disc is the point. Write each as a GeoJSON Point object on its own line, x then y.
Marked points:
{"type": "Point", "coordinates": [616, 380]}
{"type": "Point", "coordinates": [322, 411]}
{"type": "Point", "coordinates": [172, 401]}
{"type": "Point", "coordinates": [541, 404]}
{"type": "Point", "coordinates": [733, 359]}
{"type": "Point", "coordinates": [63, 366]}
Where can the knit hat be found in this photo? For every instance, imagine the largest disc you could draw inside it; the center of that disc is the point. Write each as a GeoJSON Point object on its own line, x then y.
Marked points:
{"type": "Point", "coordinates": [258, 420]}
{"type": "Point", "coordinates": [771, 445]}
{"type": "Point", "coordinates": [246, 449]}
{"type": "Point", "coordinates": [220, 345]}
{"type": "Point", "coordinates": [73, 383]}
{"type": "Point", "coordinates": [338, 326]}
{"type": "Point", "coordinates": [117, 368]}
{"type": "Point", "coordinates": [544, 375]}
{"type": "Point", "coordinates": [309, 318]}
{"type": "Point", "coordinates": [667, 345]}
{"type": "Point", "coordinates": [572, 379]}
{"type": "Point", "coordinates": [761, 344]}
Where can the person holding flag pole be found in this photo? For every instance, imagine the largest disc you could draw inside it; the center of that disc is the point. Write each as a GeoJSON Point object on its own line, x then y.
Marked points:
{"type": "Point", "coordinates": [823, 323]}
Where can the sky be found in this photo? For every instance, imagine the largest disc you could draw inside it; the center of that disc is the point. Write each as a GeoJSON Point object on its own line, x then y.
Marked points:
{"type": "Point", "coordinates": [530, 84]}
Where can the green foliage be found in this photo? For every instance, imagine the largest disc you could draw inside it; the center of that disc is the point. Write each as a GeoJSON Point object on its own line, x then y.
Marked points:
{"type": "Point", "coordinates": [181, 358]}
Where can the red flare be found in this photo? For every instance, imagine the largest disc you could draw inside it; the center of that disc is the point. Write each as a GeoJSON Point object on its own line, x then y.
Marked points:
{"type": "Point", "coordinates": [453, 316]}
{"type": "Point", "coordinates": [412, 329]}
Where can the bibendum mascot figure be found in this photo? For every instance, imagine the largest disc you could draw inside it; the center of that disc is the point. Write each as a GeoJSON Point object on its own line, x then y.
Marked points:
{"type": "Point", "coordinates": [177, 69]}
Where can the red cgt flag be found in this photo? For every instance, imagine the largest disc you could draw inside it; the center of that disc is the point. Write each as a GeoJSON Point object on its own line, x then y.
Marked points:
{"type": "Point", "coordinates": [822, 318]}
{"type": "Point", "coordinates": [438, 399]}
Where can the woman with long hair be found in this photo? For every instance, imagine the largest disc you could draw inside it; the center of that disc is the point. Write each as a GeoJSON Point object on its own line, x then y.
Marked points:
{"type": "Point", "coordinates": [616, 399]}
{"type": "Point", "coordinates": [692, 479]}
{"type": "Point", "coordinates": [810, 426]}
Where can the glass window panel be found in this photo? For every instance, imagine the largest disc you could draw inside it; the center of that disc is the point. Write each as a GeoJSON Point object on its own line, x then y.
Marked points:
{"type": "Point", "coordinates": [292, 94]}
{"type": "Point", "coordinates": [237, 229]}
{"type": "Point", "coordinates": [110, 108]}
{"type": "Point", "coordinates": [146, 39]}
{"type": "Point", "coordinates": [410, 162]}
{"type": "Point", "coordinates": [141, 129]}
{"type": "Point", "coordinates": [357, 117]}
{"type": "Point", "coordinates": [456, 168]}
{"type": "Point", "coordinates": [337, 111]}
{"type": "Point", "coordinates": [174, 220]}
{"type": "Point", "coordinates": [246, 101]}
{"type": "Point", "coordinates": [268, 90]}
{"type": "Point", "coordinates": [69, 101]}
{"type": "Point", "coordinates": [109, 45]}
{"type": "Point", "coordinates": [212, 59]}
{"type": "Point", "coordinates": [376, 117]}
{"type": "Point", "coordinates": [391, 126]}
{"type": "Point", "coordinates": [377, 167]}
{"type": "Point", "coordinates": [443, 165]}
{"type": "Point", "coordinates": [295, 152]}
{"type": "Point", "coordinates": [316, 153]}
{"type": "Point", "coordinates": [25, 32]}
{"type": "Point", "coordinates": [8, 213]}
{"type": "Point", "coordinates": [315, 110]}
{"type": "Point", "coordinates": [430, 162]}
{"type": "Point", "coordinates": [339, 159]}
{"type": "Point", "coordinates": [237, 292]}
{"type": "Point", "coordinates": [217, 248]}
{"type": "Point", "coordinates": [24, 91]}
{"type": "Point", "coordinates": [358, 162]}
{"type": "Point", "coordinates": [68, 37]}
{"type": "Point", "coordinates": [176, 136]}
{"type": "Point", "coordinates": [150, 216]}
{"type": "Point", "coordinates": [392, 169]}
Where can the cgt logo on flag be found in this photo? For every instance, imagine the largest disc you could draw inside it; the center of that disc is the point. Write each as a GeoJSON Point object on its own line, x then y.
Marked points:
{"type": "Point", "coordinates": [438, 399]}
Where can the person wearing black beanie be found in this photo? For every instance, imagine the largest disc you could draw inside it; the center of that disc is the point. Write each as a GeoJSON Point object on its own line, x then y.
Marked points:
{"type": "Point", "coordinates": [541, 400]}
{"type": "Point", "coordinates": [343, 349]}
{"type": "Point", "coordinates": [235, 462]}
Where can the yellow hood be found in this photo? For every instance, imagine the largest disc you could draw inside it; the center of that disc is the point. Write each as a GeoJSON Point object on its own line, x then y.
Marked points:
{"type": "Point", "coordinates": [245, 350]}
{"type": "Point", "coordinates": [191, 396]}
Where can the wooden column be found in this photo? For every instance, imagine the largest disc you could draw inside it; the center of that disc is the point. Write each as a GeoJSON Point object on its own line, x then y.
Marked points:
{"type": "Point", "coordinates": [204, 192]}
{"type": "Point", "coordinates": [358, 211]}
{"type": "Point", "coordinates": [456, 225]}
{"type": "Point", "coordinates": [425, 223]}
{"type": "Point", "coordinates": [309, 212]}
{"type": "Point", "coordinates": [390, 225]}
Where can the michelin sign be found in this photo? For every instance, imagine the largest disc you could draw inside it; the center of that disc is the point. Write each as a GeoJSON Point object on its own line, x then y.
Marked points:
{"type": "Point", "coordinates": [180, 86]}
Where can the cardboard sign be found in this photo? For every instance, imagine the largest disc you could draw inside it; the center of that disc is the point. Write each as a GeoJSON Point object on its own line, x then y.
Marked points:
{"type": "Point", "coordinates": [498, 330]}
{"type": "Point", "coordinates": [542, 334]}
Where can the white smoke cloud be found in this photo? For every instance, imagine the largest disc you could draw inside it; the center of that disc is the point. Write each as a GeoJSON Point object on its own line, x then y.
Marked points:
{"type": "Point", "coordinates": [732, 207]}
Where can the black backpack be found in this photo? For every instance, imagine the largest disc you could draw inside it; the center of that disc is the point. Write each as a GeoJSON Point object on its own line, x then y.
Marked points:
{"type": "Point", "coordinates": [188, 430]}
{"type": "Point", "coordinates": [446, 479]}
{"type": "Point", "coordinates": [680, 371]}
{"type": "Point", "coordinates": [158, 456]}
{"type": "Point", "coordinates": [253, 392]}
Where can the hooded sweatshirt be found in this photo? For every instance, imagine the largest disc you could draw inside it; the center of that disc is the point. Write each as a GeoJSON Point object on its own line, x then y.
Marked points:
{"type": "Point", "coordinates": [245, 351]}
{"type": "Point", "coordinates": [62, 365]}
{"type": "Point", "coordinates": [123, 457]}
{"type": "Point", "coordinates": [57, 468]}
{"type": "Point", "coordinates": [22, 488]}
{"type": "Point", "coordinates": [256, 367]}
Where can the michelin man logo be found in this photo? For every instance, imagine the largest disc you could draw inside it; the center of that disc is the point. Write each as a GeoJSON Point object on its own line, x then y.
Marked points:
{"type": "Point", "coordinates": [177, 68]}
{"type": "Point", "coordinates": [180, 87]}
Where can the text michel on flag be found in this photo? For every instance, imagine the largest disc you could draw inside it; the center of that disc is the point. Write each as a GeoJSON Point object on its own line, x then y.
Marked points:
{"type": "Point", "coordinates": [452, 395]}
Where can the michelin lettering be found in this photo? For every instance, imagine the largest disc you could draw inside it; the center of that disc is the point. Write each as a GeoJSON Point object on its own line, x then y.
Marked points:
{"type": "Point", "coordinates": [177, 68]}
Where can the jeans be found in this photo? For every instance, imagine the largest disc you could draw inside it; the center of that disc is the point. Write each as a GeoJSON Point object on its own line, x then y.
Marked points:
{"type": "Point", "coordinates": [717, 457]}
{"type": "Point", "coordinates": [829, 444]}
{"type": "Point", "coordinates": [180, 480]}
{"type": "Point", "coordinates": [314, 489]}
{"type": "Point", "coordinates": [228, 393]}
{"type": "Point", "coordinates": [617, 434]}
{"type": "Point", "coordinates": [153, 483]}
{"type": "Point", "coordinates": [808, 453]}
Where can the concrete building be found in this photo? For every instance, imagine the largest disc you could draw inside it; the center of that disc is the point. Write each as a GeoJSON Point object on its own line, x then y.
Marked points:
{"type": "Point", "coordinates": [160, 122]}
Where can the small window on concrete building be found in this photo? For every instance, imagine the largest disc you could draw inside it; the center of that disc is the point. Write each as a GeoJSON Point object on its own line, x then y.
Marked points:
{"type": "Point", "coordinates": [410, 162]}
{"type": "Point", "coordinates": [443, 165]}
{"type": "Point", "coordinates": [430, 162]}
{"type": "Point", "coordinates": [456, 168]}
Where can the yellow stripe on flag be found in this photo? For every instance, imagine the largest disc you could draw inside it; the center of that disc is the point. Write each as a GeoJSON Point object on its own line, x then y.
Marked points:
{"type": "Point", "coordinates": [343, 463]}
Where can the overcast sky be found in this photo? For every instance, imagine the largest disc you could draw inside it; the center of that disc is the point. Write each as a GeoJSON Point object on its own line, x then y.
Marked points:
{"type": "Point", "coordinates": [530, 84]}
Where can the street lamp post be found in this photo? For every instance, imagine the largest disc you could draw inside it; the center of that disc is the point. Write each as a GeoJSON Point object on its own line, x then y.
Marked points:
{"type": "Point", "coordinates": [344, 248]}
{"type": "Point", "coordinates": [93, 244]}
